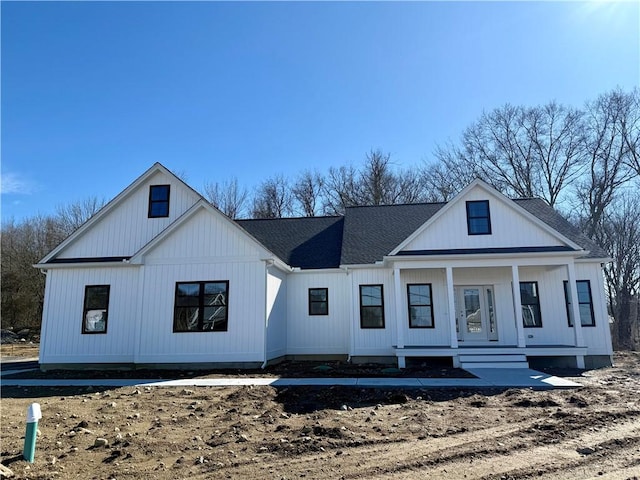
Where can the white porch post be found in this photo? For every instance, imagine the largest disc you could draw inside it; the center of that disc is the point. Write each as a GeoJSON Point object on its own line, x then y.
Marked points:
{"type": "Point", "coordinates": [575, 312]}
{"type": "Point", "coordinates": [452, 308]}
{"type": "Point", "coordinates": [517, 305]}
{"type": "Point", "coordinates": [399, 315]}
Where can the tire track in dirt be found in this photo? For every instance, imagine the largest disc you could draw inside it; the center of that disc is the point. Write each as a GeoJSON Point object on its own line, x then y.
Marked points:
{"type": "Point", "coordinates": [551, 461]}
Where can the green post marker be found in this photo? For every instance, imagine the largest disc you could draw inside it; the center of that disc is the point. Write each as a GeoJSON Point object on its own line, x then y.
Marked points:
{"type": "Point", "coordinates": [33, 415]}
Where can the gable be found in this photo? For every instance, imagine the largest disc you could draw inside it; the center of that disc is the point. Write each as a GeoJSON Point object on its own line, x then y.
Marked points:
{"type": "Point", "coordinates": [510, 228]}
{"type": "Point", "coordinates": [124, 227]}
{"type": "Point", "coordinates": [206, 234]}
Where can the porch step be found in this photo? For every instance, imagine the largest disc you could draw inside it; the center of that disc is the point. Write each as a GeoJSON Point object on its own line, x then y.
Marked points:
{"type": "Point", "coordinates": [493, 361]}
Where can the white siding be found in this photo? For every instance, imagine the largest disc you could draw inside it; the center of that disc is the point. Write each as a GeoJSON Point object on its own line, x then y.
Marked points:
{"type": "Point", "coordinates": [508, 228]}
{"type": "Point", "coordinates": [62, 339]}
{"type": "Point", "coordinates": [373, 341]}
{"type": "Point", "coordinates": [597, 338]}
{"type": "Point", "coordinates": [243, 342]}
{"type": "Point", "coordinates": [318, 334]}
{"type": "Point", "coordinates": [127, 228]}
{"type": "Point", "coordinates": [440, 334]}
{"type": "Point", "coordinates": [206, 235]}
{"type": "Point", "coordinates": [276, 313]}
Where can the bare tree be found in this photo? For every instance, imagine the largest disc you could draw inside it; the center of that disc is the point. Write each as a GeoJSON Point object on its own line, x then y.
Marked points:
{"type": "Point", "coordinates": [307, 192]}
{"type": "Point", "coordinates": [442, 179]}
{"type": "Point", "coordinates": [556, 134]}
{"type": "Point", "coordinates": [70, 217]}
{"type": "Point", "coordinates": [378, 183]}
{"type": "Point", "coordinates": [341, 190]}
{"type": "Point", "coordinates": [619, 233]}
{"type": "Point", "coordinates": [228, 197]}
{"type": "Point", "coordinates": [607, 154]}
{"type": "Point", "coordinates": [273, 199]}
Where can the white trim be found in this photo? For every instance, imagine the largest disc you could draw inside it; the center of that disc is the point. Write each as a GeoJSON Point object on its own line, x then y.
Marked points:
{"type": "Point", "coordinates": [575, 306]}
{"type": "Point", "coordinates": [517, 305]}
{"type": "Point", "coordinates": [50, 266]}
{"type": "Point", "coordinates": [451, 305]}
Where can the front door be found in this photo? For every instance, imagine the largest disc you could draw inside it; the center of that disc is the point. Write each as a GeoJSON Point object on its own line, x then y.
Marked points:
{"type": "Point", "coordinates": [475, 314]}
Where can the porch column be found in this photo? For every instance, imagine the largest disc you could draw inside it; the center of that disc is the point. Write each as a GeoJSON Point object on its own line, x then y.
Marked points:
{"type": "Point", "coordinates": [517, 305]}
{"type": "Point", "coordinates": [452, 308]}
{"type": "Point", "coordinates": [399, 309]}
{"type": "Point", "coordinates": [575, 307]}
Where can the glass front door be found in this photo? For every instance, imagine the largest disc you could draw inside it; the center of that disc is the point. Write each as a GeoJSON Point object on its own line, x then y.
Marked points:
{"type": "Point", "coordinates": [475, 314]}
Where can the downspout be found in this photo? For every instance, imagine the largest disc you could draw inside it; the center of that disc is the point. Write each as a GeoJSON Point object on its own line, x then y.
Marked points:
{"type": "Point", "coordinates": [351, 334]}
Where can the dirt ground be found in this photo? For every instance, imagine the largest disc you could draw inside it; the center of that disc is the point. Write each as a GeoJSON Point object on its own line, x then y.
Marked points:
{"type": "Point", "coordinates": [327, 433]}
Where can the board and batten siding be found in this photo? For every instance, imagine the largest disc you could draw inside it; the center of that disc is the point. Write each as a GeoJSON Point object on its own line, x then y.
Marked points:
{"type": "Point", "coordinates": [598, 338]}
{"type": "Point", "coordinates": [318, 334]}
{"type": "Point", "coordinates": [276, 313]}
{"type": "Point", "coordinates": [207, 247]}
{"type": "Point", "coordinates": [439, 335]}
{"type": "Point", "coordinates": [205, 235]}
{"type": "Point", "coordinates": [127, 228]}
{"type": "Point", "coordinates": [62, 338]}
{"type": "Point", "coordinates": [244, 341]}
{"type": "Point", "coordinates": [373, 341]}
{"type": "Point", "coordinates": [509, 228]}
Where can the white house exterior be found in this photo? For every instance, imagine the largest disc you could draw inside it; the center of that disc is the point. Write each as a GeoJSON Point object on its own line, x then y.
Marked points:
{"type": "Point", "coordinates": [160, 277]}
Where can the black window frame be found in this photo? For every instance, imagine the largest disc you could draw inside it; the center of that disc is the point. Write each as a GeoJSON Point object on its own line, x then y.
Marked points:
{"type": "Point", "coordinates": [537, 319]}
{"type": "Point", "coordinates": [86, 308]}
{"type": "Point", "coordinates": [364, 308]}
{"type": "Point", "coordinates": [590, 303]}
{"type": "Point", "coordinates": [470, 217]}
{"type": "Point", "coordinates": [430, 305]}
{"type": "Point", "coordinates": [325, 302]}
{"type": "Point", "coordinates": [200, 306]}
{"type": "Point", "coordinates": [163, 201]}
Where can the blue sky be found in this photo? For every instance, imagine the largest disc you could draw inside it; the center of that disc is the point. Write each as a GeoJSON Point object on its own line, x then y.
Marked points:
{"type": "Point", "coordinates": [93, 93]}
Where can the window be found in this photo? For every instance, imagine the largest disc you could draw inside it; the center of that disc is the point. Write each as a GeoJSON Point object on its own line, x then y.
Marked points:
{"type": "Point", "coordinates": [96, 309]}
{"type": "Point", "coordinates": [530, 300]}
{"type": "Point", "coordinates": [201, 307]}
{"type": "Point", "coordinates": [585, 303]}
{"type": "Point", "coordinates": [420, 305]}
{"type": "Point", "coordinates": [371, 306]}
{"type": "Point", "coordinates": [318, 301]}
{"type": "Point", "coordinates": [478, 218]}
{"type": "Point", "coordinates": [159, 201]}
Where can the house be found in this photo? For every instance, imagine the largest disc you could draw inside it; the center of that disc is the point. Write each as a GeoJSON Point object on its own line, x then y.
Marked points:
{"type": "Point", "coordinates": [161, 277]}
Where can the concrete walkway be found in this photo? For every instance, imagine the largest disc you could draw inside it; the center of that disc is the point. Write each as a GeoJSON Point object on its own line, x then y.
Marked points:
{"type": "Point", "coordinates": [486, 378]}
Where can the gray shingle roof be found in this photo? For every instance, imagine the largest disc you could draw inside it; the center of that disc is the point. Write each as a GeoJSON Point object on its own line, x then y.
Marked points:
{"type": "Point", "coordinates": [366, 234]}
{"type": "Point", "coordinates": [310, 242]}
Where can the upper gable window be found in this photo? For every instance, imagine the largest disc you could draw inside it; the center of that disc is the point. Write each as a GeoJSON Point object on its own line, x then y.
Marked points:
{"type": "Point", "coordinates": [478, 218]}
{"type": "Point", "coordinates": [159, 201]}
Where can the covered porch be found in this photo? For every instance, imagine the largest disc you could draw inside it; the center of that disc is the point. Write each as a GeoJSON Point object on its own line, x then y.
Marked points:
{"type": "Point", "coordinates": [476, 308]}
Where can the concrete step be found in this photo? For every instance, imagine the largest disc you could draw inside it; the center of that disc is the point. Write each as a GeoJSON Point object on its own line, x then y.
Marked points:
{"type": "Point", "coordinates": [471, 366]}
{"type": "Point", "coordinates": [470, 358]}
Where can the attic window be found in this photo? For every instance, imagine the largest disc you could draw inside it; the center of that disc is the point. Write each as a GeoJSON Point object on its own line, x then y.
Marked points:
{"type": "Point", "coordinates": [478, 218]}
{"type": "Point", "coordinates": [159, 201]}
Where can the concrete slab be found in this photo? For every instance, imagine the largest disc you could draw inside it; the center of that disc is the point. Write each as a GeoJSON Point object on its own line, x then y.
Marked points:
{"type": "Point", "coordinates": [487, 378]}
{"type": "Point", "coordinates": [521, 378]}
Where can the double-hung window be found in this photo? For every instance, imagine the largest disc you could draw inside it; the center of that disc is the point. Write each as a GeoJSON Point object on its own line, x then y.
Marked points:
{"type": "Point", "coordinates": [585, 303]}
{"type": "Point", "coordinates": [201, 306]}
{"type": "Point", "coordinates": [371, 306]}
{"type": "Point", "coordinates": [159, 201]}
{"type": "Point", "coordinates": [420, 305]}
{"type": "Point", "coordinates": [96, 309]}
{"type": "Point", "coordinates": [318, 301]}
{"type": "Point", "coordinates": [530, 300]}
{"type": "Point", "coordinates": [478, 218]}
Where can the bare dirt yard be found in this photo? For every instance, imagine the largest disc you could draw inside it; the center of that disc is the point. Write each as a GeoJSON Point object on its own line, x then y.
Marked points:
{"type": "Point", "coordinates": [327, 433]}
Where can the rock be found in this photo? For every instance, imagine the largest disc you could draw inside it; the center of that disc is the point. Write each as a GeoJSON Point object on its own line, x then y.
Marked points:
{"type": "Point", "coordinates": [186, 391]}
{"type": "Point", "coordinates": [242, 438]}
{"type": "Point", "coordinates": [5, 472]}
{"type": "Point", "coordinates": [585, 450]}
{"type": "Point", "coordinates": [101, 442]}
{"type": "Point", "coordinates": [344, 407]}
{"type": "Point", "coordinates": [199, 460]}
